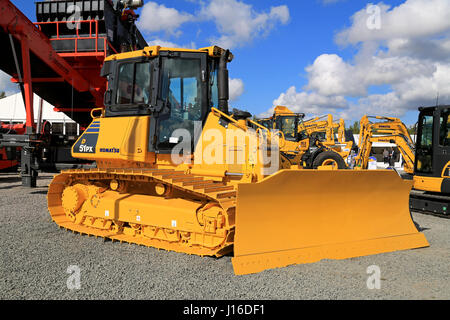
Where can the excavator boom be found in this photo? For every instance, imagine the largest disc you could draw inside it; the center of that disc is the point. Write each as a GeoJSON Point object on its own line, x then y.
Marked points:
{"type": "Point", "coordinates": [389, 130]}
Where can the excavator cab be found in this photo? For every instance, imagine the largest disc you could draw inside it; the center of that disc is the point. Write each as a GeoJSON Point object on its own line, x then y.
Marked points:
{"type": "Point", "coordinates": [424, 146]}
{"type": "Point", "coordinates": [432, 163]}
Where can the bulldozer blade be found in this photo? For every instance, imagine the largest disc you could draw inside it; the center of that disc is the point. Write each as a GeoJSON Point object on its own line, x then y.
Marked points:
{"type": "Point", "coordinates": [303, 216]}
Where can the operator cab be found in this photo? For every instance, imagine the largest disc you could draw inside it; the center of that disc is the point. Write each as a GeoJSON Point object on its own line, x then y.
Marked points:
{"type": "Point", "coordinates": [433, 142]}
{"type": "Point", "coordinates": [289, 125]}
{"type": "Point", "coordinates": [176, 87]}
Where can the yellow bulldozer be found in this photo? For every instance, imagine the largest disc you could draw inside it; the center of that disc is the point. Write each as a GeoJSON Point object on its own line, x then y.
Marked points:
{"type": "Point", "coordinates": [177, 171]}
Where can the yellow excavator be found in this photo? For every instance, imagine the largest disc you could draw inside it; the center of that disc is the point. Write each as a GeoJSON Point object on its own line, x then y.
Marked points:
{"type": "Point", "coordinates": [427, 161]}
{"type": "Point", "coordinates": [310, 144]}
{"type": "Point", "coordinates": [177, 171]}
{"type": "Point", "coordinates": [431, 192]}
{"type": "Point", "coordinates": [388, 130]}
{"type": "Point", "coordinates": [326, 129]}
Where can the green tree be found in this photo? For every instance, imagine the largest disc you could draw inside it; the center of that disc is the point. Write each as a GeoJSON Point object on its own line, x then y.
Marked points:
{"type": "Point", "coordinates": [355, 127]}
{"type": "Point", "coordinates": [412, 129]}
{"type": "Point", "coordinates": [2, 94]}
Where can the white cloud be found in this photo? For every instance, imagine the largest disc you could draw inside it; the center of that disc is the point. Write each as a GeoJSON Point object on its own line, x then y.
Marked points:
{"type": "Point", "coordinates": [162, 43]}
{"type": "Point", "coordinates": [156, 18]}
{"type": "Point", "coordinates": [331, 75]}
{"type": "Point", "coordinates": [412, 19]}
{"type": "Point", "coordinates": [238, 23]}
{"type": "Point", "coordinates": [169, 44]}
{"type": "Point", "coordinates": [409, 94]}
{"type": "Point", "coordinates": [236, 88]}
{"type": "Point", "coordinates": [409, 55]}
{"type": "Point", "coordinates": [308, 102]}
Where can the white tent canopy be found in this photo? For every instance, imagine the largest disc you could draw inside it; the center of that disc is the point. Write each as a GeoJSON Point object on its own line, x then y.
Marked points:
{"type": "Point", "coordinates": [12, 109]}
{"type": "Point", "coordinates": [388, 146]}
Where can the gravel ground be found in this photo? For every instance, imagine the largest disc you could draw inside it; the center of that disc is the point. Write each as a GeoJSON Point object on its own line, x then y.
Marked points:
{"type": "Point", "coordinates": [36, 255]}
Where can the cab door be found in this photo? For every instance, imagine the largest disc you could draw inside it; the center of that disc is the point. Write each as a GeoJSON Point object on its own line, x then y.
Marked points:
{"type": "Point", "coordinates": [424, 162]}
{"type": "Point", "coordinates": [442, 142]}
{"type": "Point", "coordinates": [183, 88]}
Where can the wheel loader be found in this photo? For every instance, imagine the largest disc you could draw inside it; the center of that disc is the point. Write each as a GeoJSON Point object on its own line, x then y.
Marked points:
{"type": "Point", "coordinates": [167, 178]}
{"type": "Point", "coordinates": [309, 144]}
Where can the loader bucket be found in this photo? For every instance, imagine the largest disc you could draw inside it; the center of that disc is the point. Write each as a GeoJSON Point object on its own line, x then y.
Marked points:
{"type": "Point", "coordinates": [303, 216]}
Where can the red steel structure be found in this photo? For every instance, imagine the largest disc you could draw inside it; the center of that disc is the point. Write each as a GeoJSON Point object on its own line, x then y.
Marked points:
{"type": "Point", "coordinates": [69, 78]}
{"type": "Point", "coordinates": [48, 73]}
{"type": "Point", "coordinates": [86, 63]}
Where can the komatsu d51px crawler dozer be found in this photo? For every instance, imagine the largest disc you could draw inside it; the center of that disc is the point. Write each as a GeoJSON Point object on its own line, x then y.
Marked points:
{"type": "Point", "coordinates": [177, 171]}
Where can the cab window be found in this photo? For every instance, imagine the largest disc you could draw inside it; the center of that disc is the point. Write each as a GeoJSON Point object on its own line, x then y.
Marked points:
{"type": "Point", "coordinates": [444, 131]}
{"type": "Point", "coordinates": [424, 148]}
{"type": "Point", "coordinates": [182, 89]}
{"type": "Point", "coordinates": [133, 84]}
{"type": "Point", "coordinates": [288, 125]}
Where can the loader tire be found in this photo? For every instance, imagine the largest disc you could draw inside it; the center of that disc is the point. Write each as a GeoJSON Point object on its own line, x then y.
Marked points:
{"type": "Point", "coordinates": [329, 158]}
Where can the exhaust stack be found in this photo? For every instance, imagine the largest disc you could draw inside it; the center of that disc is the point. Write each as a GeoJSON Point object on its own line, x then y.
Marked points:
{"type": "Point", "coordinates": [223, 82]}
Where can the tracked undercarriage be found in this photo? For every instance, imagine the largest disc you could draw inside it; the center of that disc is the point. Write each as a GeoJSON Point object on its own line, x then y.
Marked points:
{"type": "Point", "coordinates": [161, 208]}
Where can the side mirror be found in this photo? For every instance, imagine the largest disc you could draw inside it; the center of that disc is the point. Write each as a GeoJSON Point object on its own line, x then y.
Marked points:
{"type": "Point", "coordinates": [106, 69]}
{"type": "Point", "coordinates": [107, 100]}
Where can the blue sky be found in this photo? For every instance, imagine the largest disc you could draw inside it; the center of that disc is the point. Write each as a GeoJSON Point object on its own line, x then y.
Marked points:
{"type": "Point", "coordinates": [297, 45]}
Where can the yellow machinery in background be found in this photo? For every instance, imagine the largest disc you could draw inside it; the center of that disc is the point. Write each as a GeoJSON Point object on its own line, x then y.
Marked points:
{"type": "Point", "coordinates": [327, 129]}
{"type": "Point", "coordinates": [431, 193]}
{"type": "Point", "coordinates": [165, 178]}
{"type": "Point", "coordinates": [388, 130]}
{"type": "Point", "coordinates": [312, 143]}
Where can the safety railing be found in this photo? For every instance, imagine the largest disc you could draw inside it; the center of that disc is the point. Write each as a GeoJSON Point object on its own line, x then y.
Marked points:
{"type": "Point", "coordinates": [77, 25]}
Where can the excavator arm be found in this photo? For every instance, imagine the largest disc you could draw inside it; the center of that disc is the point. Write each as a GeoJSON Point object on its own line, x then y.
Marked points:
{"type": "Point", "coordinates": [389, 130]}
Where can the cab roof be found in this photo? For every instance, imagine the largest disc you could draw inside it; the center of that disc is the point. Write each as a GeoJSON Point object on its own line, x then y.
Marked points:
{"type": "Point", "coordinates": [153, 51]}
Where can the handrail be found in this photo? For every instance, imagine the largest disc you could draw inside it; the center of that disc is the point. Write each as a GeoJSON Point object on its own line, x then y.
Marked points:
{"type": "Point", "coordinates": [98, 109]}
{"type": "Point", "coordinates": [235, 122]}
{"type": "Point", "coordinates": [92, 34]}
